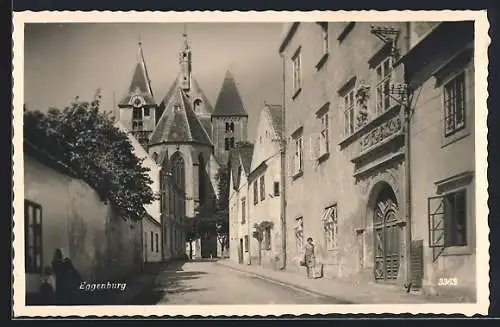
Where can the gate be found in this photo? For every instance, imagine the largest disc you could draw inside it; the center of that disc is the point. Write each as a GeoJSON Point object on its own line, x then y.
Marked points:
{"type": "Point", "coordinates": [387, 237]}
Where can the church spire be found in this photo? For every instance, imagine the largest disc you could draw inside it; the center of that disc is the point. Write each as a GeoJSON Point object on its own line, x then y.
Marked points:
{"type": "Point", "coordinates": [185, 62]}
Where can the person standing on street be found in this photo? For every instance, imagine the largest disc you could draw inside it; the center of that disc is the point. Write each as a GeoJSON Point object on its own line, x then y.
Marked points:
{"type": "Point", "coordinates": [310, 256]}
{"type": "Point", "coordinates": [67, 279]}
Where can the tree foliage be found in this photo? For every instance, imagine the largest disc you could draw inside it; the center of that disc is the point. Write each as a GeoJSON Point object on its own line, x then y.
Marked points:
{"type": "Point", "coordinates": [84, 138]}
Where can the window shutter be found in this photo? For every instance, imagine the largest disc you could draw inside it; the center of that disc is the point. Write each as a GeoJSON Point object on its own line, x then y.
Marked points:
{"type": "Point", "coordinates": [417, 263]}
{"type": "Point", "coordinates": [315, 145]}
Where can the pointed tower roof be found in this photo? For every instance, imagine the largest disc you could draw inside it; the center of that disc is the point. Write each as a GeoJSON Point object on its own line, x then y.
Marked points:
{"type": "Point", "coordinates": [140, 83]}
{"type": "Point", "coordinates": [195, 91]}
{"type": "Point", "coordinates": [229, 101]}
{"type": "Point", "coordinates": [179, 123]}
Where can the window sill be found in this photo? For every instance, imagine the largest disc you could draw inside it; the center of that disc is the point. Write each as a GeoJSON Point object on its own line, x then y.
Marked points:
{"type": "Point", "coordinates": [323, 157]}
{"type": "Point", "coordinates": [296, 94]}
{"type": "Point", "coordinates": [447, 140]}
{"type": "Point", "coordinates": [297, 175]}
{"type": "Point", "coordinates": [322, 61]}
{"type": "Point", "coordinates": [369, 124]}
{"type": "Point", "coordinates": [457, 251]}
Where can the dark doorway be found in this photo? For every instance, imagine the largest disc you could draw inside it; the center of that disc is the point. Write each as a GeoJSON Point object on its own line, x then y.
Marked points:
{"type": "Point", "coordinates": [386, 236]}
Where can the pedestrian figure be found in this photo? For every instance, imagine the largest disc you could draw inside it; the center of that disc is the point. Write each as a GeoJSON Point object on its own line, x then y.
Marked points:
{"type": "Point", "coordinates": [67, 279]}
{"type": "Point", "coordinates": [47, 286]}
{"type": "Point", "coordinates": [309, 257]}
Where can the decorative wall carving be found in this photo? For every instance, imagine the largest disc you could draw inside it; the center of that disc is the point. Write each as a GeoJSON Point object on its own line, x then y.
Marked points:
{"type": "Point", "coordinates": [380, 133]}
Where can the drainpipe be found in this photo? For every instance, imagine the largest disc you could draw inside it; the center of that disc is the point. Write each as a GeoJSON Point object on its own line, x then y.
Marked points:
{"type": "Point", "coordinates": [283, 171]}
{"type": "Point", "coordinates": [407, 120]}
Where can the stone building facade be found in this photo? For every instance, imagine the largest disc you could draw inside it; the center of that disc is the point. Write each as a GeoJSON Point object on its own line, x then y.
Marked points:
{"type": "Point", "coordinates": [240, 229]}
{"type": "Point", "coordinates": [346, 152]}
{"type": "Point", "coordinates": [264, 200]}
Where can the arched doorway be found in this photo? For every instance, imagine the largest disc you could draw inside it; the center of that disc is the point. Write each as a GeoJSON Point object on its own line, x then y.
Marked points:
{"type": "Point", "coordinates": [387, 236]}
{"type": "Point", "coordinates": [178, 173]}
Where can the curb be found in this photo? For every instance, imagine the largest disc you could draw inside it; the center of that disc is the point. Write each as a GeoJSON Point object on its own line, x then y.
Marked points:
{"type": "Point", "coordinates": [289, 285]}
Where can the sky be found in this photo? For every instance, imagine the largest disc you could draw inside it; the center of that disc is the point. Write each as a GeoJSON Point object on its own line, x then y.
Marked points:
{"type": "Point", "coordinates": [63, 61]}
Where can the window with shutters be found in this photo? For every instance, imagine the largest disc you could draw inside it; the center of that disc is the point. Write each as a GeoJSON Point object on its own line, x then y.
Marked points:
{"type": "Point", "coordinates": [384, 78]}
{"type": "Point", "coordinates": [323, 142]}
{"type": "Point", "coordinates": [454, 105]}
{"type": "Point", "coordinates": [298, 154]}
{"type": "Point", "coordinates": [33, 237]}
{"type": "Point", "coordinates": [297, 73]}
{"type": "Point", "coordinates": [448, 220]}
{"type": "Point", "coordinates": [348, 109]}
{"type": "Point", "coordinates": [330, 227]}
{"type": "Point", "coordinates": [262, 188]}
{"type": "Point", "coordinates": [243, 210]}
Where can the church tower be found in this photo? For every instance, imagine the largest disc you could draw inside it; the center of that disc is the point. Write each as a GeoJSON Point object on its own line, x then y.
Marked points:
{"type": "Point", "coordinates": [137, 108]}
{"type": "Point", "coordinates": [185, 63]}
{"type": "Point", "coordinates": [229, 119]}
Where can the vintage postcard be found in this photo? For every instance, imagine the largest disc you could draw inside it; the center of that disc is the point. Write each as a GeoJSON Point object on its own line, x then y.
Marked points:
{"type": "Point", "coordinates": [250, 163]}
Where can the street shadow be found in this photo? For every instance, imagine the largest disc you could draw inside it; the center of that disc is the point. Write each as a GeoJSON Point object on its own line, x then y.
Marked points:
{"type": "Point", "coordinates": [169, 279]}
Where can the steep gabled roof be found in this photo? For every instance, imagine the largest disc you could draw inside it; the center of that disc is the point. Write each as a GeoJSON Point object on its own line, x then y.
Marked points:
{"type": "Point", "coordinates": [246, 153]}
{"type": "Point", "coordinates": [196, 90]}
{"type": "Point", "coordinates": [140, 83]}
{"type": "Point", "coordinates": [229, 101]}
{"type": "Point", "coordinates": [275, 116]}
{"type": "Point", "coordinates": [240, 156]}
{"type": "Point", "coordinates": [179, 123]}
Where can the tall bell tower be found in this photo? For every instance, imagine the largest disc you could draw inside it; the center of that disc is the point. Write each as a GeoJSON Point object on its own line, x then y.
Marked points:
{"type": "Point", "coordinates": [185, 62]}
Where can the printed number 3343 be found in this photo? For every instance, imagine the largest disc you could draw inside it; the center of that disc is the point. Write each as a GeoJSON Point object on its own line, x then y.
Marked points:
{"type": "Point", "coordinates": [448, 282]}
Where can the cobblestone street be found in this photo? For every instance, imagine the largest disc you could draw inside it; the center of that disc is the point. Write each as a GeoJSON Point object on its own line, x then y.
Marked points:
{"type": "Point", "coordinates": [205, 282]}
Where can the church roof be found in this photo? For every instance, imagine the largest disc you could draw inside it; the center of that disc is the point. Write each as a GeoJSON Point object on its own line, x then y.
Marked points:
{"type": "Point", "coordinates": [140, 83]}
{"type": "Point", "coordinates": [229, 101]}
{"type": "Point", "coordinates": [179, 123]}
{"type": "Point", "coordinates": [275, 116]}
{"type": "Point", "coordinates": [196, 90]}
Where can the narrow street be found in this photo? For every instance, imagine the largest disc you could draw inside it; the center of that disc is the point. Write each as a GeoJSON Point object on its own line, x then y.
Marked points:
{"type": "Point", "coordinates": [205, 282]}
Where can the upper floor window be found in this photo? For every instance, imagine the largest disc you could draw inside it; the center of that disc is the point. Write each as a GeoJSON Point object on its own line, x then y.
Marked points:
{"type": "Point", "coordinates": [197, 105]}
{"type": "Point", "coordinates": [137, 113]}
{"type": "Point", "coordinates": [32, 237]}
{"type": "Point", "coordinates": [384, 77]}
{"type": "Point", "coordinates": [146, 111]}
{"type": "Point", "coordinates": [243, 210]}
{"type": "Point", "coordinates": [348, 108]}
{"type": "Point", "coordinates": [255, 193]}
{"type": "Point", "coordinates": [262, 188]}
{"type": "Point", "coordinates": [454, 105]}
{"type": "Point", "coordinates": [297, 73]}
{"type": "Point", "coordinates": [324, 30]}
{"type": "Point", "coordinates": [229, 127]}
{"type": "Point", "coordinates": [324, 144]}
{"type": "Point", "coordinates": [276, 188]}
{"type": "Point", "coordinates": [298, 154]}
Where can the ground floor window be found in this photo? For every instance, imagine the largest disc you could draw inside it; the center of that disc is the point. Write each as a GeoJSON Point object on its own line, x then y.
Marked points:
{"type": "Point", "coordinates": [448, 219]}
{"type": "Point", "coordinates": [33, 236]}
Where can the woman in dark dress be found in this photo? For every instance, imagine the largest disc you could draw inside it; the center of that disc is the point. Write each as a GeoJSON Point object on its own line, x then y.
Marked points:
{"type": "Point", "coordinates": [67, 279]}
{"type": "Point", "coordinates": [310, 257]}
